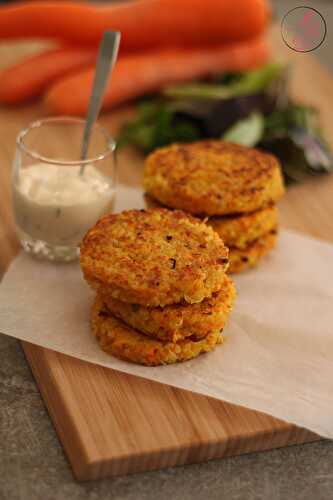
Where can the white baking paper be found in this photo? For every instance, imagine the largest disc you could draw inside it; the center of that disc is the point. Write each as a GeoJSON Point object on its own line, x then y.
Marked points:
{"type": "Point", "coordinates": [278, 353]}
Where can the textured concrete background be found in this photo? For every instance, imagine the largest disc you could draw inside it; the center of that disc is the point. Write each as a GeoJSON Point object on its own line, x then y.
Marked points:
{"type": "Point", "coordinates": [34, 467]}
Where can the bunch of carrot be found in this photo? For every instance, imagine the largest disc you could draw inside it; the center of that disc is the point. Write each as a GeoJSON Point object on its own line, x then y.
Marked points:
{"type": "Point", "coordinates": [163, 42]}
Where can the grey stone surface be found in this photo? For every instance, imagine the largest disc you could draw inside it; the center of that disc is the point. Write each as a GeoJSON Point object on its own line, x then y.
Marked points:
{"type": "Point", "coordinates": [34, 467]}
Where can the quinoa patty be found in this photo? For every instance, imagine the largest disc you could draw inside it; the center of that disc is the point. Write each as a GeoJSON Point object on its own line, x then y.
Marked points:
{"type": "Point", "coordinates": [178, 321]}
{"type": "Point", "coordinates": [240, 260]}
{"type": "Point", "coordinates": [213, 177]}
{"type": "Point", "coordinates": [153, 257]}
{"type": "Point", "coordinates": [123, 342]}
{"type": "Point", "coordinates": [238, 230]}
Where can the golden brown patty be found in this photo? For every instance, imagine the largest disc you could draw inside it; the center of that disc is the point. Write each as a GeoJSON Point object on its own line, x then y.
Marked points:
{"type": "Point", "coordinates": [213, 177]}
{"type": "Point", "coordinates": [153, 257]}
{"type": "Point", "coordinates": [241, 229]}
{"type": "Point", "coordinates": [250, 256]}
{"type": "Point", "coordinates": [124, 342]}
{"type": "Point", "coordinates": [177, 321]}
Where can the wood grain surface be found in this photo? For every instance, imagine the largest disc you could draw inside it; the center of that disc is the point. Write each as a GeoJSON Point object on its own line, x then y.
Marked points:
{"type": "Point", "coordinates": [111, 423]}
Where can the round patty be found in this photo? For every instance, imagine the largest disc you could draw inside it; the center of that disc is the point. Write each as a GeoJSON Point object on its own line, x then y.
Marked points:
{"type": "Point", "coordinates": [240, 260]}
{"type": "Point", "coordinates": [123, 342]}
{"type": "Point", "coordinates": [153, 257]}
{"type": "Point", "coordinates": [238, 230]}
{"type": "Point", "coordinates": [178, 321]}
{"type": "Point", "coordinates": [213, 177]}
{"type": "Point", "coordinates": [241, 230]}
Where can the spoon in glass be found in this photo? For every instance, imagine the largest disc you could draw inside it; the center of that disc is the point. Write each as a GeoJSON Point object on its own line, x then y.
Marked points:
{"type": "Point", "coordinates": [107, 56]}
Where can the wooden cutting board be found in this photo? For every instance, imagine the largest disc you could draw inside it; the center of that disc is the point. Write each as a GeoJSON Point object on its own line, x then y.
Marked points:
{"type": "Point", "coordinates": [111, 423]}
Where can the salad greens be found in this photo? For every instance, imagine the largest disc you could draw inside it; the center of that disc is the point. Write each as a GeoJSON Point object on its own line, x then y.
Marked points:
{"type": "Point", "coordinates": [248, 83]}
{"type": "Point", "coordinates": [248, 131]}
{"type": "Point", "coordinates": [251, 108]}
{"type": "Point", "coordinates": [155, 127]}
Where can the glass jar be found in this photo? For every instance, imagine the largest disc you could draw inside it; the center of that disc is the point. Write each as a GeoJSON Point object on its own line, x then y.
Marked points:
{"type": "Point", "coordinates": [56, 196]}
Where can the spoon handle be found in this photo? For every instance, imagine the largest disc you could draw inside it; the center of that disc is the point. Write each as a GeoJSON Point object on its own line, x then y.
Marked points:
{"type": "Point", "coordinates": [107, 56]}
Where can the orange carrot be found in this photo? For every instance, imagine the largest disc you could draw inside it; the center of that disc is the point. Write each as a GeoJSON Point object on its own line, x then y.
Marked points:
{"type": "Point", "coordinates": [143, 23]}
{"type": "Point", "coordinates": [135, 75]}
{"type": "Point", "coordinates": [30, 77]}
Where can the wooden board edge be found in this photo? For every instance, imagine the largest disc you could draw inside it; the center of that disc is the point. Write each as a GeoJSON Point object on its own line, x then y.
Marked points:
{"type": "Point", "coordinates": [73, 447]}
{"type": "Point", "coordinates": [84, 469]}
{"type": "Point", "coordinates": [206, 452]}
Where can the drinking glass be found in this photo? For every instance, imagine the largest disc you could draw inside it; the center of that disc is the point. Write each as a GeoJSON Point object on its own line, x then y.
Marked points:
{"type": "Point", "coordinates": [56, 196]}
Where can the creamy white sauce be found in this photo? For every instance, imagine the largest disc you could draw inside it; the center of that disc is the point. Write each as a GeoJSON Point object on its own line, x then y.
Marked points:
{"type": "Point", "coordinates": [58, 205]}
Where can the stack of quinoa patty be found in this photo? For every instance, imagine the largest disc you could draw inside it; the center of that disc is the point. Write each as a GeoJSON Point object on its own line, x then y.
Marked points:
{"type": "Point", "coordinates": [162, 292]}
{"type": "Point", "coordinates": [232, 187]}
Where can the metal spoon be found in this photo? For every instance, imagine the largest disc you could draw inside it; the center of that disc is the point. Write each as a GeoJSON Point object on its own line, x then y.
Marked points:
{"type": "Point", "coordinates": [107, 56]}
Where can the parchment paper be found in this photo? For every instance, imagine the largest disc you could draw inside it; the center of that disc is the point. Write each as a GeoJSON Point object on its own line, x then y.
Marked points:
{"type": "Point", "coordinates": [278, 353]}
